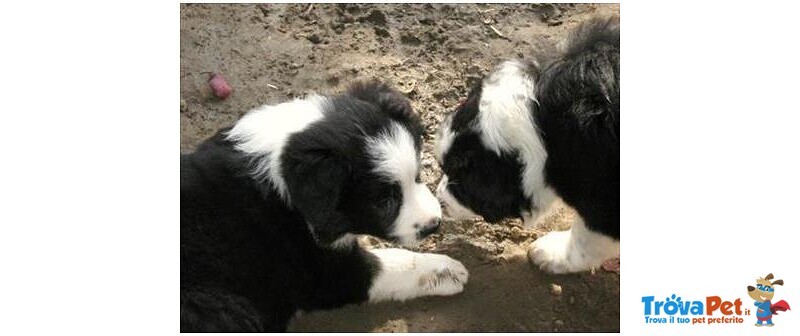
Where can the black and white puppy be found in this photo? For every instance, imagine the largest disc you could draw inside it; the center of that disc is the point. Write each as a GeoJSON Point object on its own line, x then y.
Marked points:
{"type": "Point", "coordinates": [528, 134]}
{"type": "Point", "coordinates": [269, 208]}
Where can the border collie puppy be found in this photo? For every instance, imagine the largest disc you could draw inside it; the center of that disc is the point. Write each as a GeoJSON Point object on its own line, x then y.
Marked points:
{"type": "Point", "coordinates": [527, 134]}
{"type": "Point", "coordinates": [269, 208]}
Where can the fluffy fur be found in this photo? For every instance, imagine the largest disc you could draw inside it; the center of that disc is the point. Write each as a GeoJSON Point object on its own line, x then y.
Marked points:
{"type": "Point", "coordinates": [527, 134]}
{"type": "Point", "coordinates": [269, 209]}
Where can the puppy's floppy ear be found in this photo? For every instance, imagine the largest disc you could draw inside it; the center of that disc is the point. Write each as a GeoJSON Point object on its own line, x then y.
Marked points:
{"type": "Point", "coordinates": [314, 179]}
{"type": "Point", "coordinates": [769, 276]}
{"type": "Point", "coordinates": [777, 282]}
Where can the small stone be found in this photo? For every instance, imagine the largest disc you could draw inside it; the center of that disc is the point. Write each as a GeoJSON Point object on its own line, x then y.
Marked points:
{"type": "Point", "coordinates": [314, 38]}
{"type": "Point", "coordinates": [377, 17]}
{"type": "Point", "coordinates": [555, 289]}
{"type": "Point", "coordinates": [426, 21]}
{"type": "Point", "coordinates": [381, 32]}
{"type": "Point", "coordinates": [410, 39]}
{"type": "Point", "coordinates": [184, 107]}
{"type": "Point", "coordinates": [399, 326]}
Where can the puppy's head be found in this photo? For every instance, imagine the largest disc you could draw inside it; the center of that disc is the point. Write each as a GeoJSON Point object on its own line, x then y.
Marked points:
{"type": "Point", "coordinates": [489, 150]}
{"type": "Point", "coordinates": [357, 170]}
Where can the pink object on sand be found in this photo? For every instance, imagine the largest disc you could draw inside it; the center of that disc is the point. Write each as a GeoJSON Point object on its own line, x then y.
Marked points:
{"type": "Point", "coordinates": [611, 265]}
{"type": "Point", "coordinates": [220, 87]}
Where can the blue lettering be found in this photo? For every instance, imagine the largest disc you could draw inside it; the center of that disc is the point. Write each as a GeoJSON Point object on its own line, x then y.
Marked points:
{"type": "Point", "coordinates": [648, 319]}
{"type": "Point", "coordinates": [697, 308]}
{"type": "Point", "coordinates": [647, 300]}
{"type": "Point", "coordinates": [671, 306]}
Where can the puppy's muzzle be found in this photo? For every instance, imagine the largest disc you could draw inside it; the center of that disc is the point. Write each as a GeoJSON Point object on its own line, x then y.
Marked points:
{"type": "Point", "coordinates": [430, 227]}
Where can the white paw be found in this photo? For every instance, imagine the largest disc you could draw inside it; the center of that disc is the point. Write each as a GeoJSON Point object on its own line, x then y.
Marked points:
{"type": "Point", "coordinates": [406, 275]}
{"type": "Point", "coordinates": [576, 250]}
{"type": "Point", "coordinates": [553, 253]}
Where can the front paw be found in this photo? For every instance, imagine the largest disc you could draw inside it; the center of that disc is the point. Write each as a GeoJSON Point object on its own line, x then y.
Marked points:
{"type": "Point", "coordinates": [406, 275]}
{"type": "Point", "coordinates": [576, 250]}
{"type": "Point", "coordinates": [554, 253]}
{"type": "Point", "coordinates": [441, 275]}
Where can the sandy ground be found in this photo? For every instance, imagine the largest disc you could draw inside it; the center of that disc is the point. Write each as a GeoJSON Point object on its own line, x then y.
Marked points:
{"type": "Point", "coordinates": [270, 53]}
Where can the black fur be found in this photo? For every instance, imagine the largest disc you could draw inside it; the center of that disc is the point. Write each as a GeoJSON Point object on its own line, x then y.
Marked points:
{"type": "Point", "coordinates": [578, 118]}
{"type": "Point", "coordinates": [467, 112]}
{"type": "Point", "coordinates": [249, 261]}
{"type": "Point", "coordinates": [390, 102]}
{"type": "Point", "coordinates": [485, 182]}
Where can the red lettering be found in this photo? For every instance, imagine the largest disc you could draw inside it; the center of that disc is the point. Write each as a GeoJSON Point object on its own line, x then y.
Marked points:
{"type": "Point", "coordinates": [712, 303]}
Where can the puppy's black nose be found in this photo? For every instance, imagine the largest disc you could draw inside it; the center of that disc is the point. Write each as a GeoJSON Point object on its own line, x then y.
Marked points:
{"type": "Point", "coordinates": [430, 227]}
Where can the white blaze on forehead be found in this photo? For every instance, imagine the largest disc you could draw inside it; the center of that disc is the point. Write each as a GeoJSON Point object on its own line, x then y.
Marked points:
{"type": "Point", "coordinates": [263, 133]}
{"type": "Point", "coordinates": [397, 160]}
{"type": "Point", "coordinates": [394, 154]}
{"type": "Point", "coordinates": [506, 123]}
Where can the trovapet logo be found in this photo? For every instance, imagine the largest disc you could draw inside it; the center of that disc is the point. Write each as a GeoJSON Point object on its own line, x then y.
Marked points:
{"type": "Point", "coordinates": [714, 310]}
{"type": "Point", "coordinates": [674, 309]}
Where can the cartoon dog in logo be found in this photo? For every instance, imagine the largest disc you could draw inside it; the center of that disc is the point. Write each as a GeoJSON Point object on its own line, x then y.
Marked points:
{"type": "Point", "coordinates": [763, 293]}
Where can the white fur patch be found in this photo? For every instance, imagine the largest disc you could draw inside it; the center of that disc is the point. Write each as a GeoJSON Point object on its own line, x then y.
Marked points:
{"type": "Point", "coordinates": [452, 207]}
{"type": "Point", "coordinates": [578, 249]}
{"type": "Point", "coordinates": [262, 133]}
{"type": "Point", "coordinates": [397, 160]}
{"type": "Point", "coordinates": [444, 139]}
{"type": "Point", "coordinates": [545, 197]}
{"type": "Point", "coordinates": [406, 275]}
{"type": "Point", "coordinates": [394, 154]}
{"type": "Point", "coordinates": [506, 124]}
